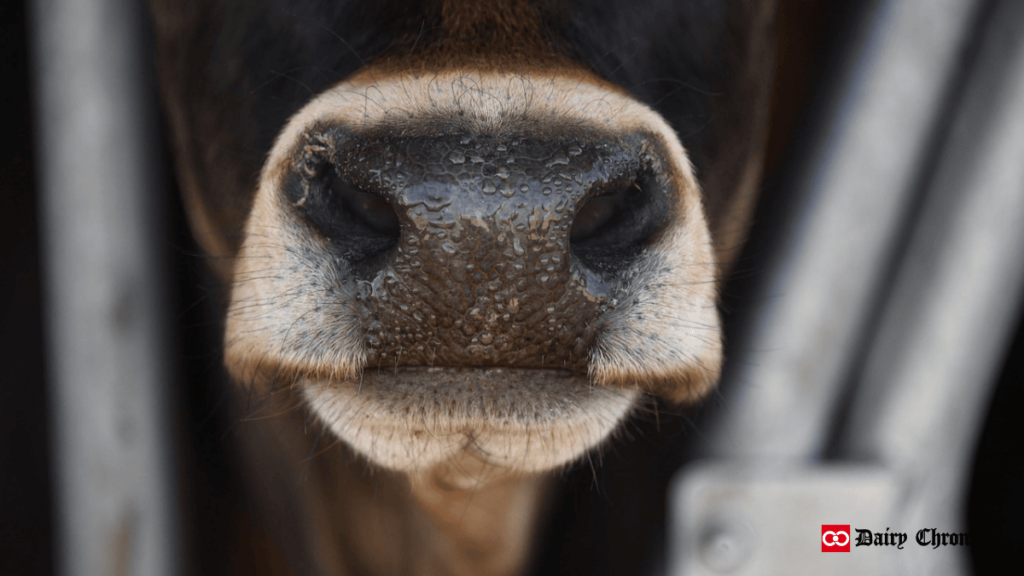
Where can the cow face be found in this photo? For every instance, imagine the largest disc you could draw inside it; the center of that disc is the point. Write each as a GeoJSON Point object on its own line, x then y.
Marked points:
{"type": "Point", "coordinates": [460, 229]}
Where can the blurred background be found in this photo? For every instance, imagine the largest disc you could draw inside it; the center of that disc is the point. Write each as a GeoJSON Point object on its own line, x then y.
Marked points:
{"type": "Point", "coordinates": [816, 40]}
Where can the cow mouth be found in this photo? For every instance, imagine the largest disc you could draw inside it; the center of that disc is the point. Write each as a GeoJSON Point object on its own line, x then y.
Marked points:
{"type": "Point", "coordinates": [415, 417]}
{"type": "Point", "coordinates": [509, 396]}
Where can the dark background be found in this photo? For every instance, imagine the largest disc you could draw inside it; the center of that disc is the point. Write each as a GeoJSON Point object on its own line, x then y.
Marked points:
{"type": "Point", "coordinates": [809, 37]}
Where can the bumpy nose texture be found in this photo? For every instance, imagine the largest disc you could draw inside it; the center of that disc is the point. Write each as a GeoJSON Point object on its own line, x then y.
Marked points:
{"type": "Point", "coordinates": [460, 244]}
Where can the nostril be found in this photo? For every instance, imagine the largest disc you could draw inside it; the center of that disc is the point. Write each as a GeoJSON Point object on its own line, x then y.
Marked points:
{"type": "Point", "coordinates": [371, 211]}
{"type": "Point", "coordinates": [599, 214]}
{"type": "Point", "coordinates": [361, 226]}
{"type": "Point", "coordinates": [614, 226]}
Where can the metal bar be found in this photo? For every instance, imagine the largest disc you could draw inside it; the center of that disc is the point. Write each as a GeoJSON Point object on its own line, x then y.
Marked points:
{"type": "Point", "coordinates": [921, 401]}
{"type": "Point", "coordinates": [104, 296]}
{"type": "Point", "coordinates": [856, 189]}
{"type": "Point", "coordinates": [942, 322]}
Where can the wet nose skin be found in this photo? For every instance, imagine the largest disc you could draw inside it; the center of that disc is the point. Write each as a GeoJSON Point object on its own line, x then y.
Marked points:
{"type": "Point", "coordinates": [477, 250]}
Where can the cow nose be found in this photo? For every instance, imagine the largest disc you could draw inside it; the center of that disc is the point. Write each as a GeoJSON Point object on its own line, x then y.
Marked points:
{"type": "Point", "coordinates": [478, 250]}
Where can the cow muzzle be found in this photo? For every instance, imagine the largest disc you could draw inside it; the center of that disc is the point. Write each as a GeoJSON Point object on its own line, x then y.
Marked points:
{"type": "Point", "coordinates": [475, 263]}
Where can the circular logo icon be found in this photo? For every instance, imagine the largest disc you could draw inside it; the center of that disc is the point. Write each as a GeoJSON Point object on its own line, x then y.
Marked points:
{"type": "Point", "coordinates": [831, 538]}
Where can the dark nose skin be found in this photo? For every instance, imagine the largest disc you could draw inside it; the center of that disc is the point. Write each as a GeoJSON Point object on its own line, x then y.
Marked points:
{"type": "Point", "coordinates": [476, 250]}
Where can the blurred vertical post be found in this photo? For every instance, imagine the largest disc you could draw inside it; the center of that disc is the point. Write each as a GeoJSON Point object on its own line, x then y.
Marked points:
{"type": "Point", "coordinates": [884, 316]}
{"type": "Point", "coordinates": [114, 489]}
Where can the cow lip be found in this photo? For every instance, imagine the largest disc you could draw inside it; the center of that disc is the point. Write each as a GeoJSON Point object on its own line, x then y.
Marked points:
{"type": "Point", "coordinates": [498, 394]}
{"type": "Point", "coordinates": [413, 418]}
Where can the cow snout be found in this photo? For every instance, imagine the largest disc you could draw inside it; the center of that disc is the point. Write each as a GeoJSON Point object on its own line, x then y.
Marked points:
{"type": "Point", "coordinates": [471, 250]}
{"type": "Point", "coordinates": [475, 262]}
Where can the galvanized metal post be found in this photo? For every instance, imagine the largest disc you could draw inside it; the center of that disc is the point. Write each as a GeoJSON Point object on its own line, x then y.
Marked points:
{"type": "Point", "coordinates": [856, 188]}
{"type": "Point", "coordinates": [104, 290]}
{"type": "Point", "coordinates": [901, 279]}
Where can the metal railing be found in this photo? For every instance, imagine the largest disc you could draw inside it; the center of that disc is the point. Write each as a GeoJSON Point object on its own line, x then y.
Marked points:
{"type": "Point", "coordinates": [110, 416]}
{"type": "Point", "coordinates": [859, 395]}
